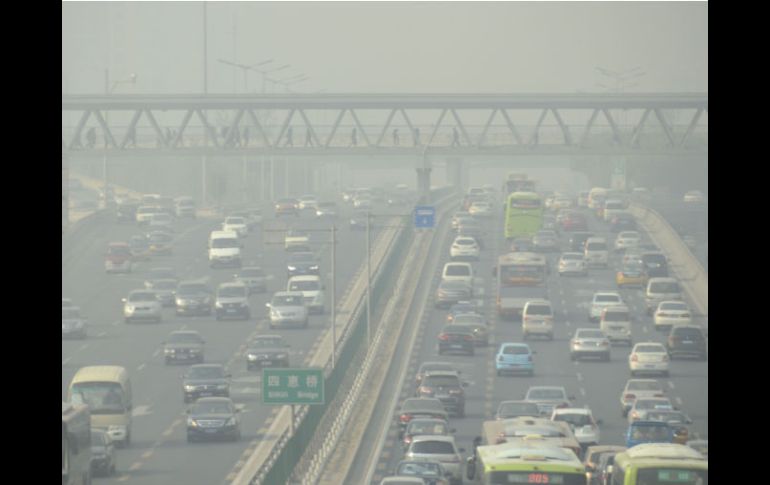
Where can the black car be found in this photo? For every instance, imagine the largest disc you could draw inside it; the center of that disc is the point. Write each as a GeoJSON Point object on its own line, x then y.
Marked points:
{"type": "Point", "coordinates": [267, 351]}
{"type": "Point", "coordinates": [205, 380]}
{"type": "Point", "coordinates": [456, 338]}
{"type": "Point", "coordinates": [686, 340]}
{"type": "Point", "coordinates": [183, 346]}
{"type": "Point", "coordinates": [450, 292]}
{"type": "Point", "coordinates": [655, 264]}
{"type": "Point", "coordinates": [577, 241]}
{"type": "Point", "coordinates": [213, 417]}
{"type": "Point", "coordinates": [193, 298]}
{"type": "Point", "coordinates": [126, 212]}
{"type": "Point", "coordinates": [447, 388]}
{"type": "Point", "coordinates": [302, 263]}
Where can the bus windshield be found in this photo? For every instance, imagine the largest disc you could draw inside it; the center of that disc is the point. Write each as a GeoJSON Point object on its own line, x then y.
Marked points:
{"type": "Point", "coordinates": [101, 397]}
{"type": "Point", "coordinates": [525, 203]}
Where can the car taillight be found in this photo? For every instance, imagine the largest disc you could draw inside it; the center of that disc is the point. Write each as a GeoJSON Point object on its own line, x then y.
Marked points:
{"type": "Point", "coordinates": [660, 394]}
{"type": "Point", "coordinates": [604, 343]}
{"type": "Point", "coordinates": [443, 336]}
{"type": "Point", "coordinates": [629, 396]}
{"type": "Point", "coordinates": [407, 439]}
{"type": "Point", "coordinates": [405, 418]}
{"type": "Point", "coordinates": [634, 358]}
{"type": "Point", "coordinates": [425, 390]}
{"type": "Point", "coordinates": [456, 391]}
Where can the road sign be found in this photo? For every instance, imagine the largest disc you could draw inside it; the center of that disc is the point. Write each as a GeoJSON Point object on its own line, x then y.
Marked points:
{"type": "Point", "coordinates": [424, 216]}
{"type": "Point", "coordinates": [293, 386]}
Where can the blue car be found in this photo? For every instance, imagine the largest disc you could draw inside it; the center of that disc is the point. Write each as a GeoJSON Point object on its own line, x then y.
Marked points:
{"type": "Point", "coordinates": [514, 357]}
{"type": "Point", "coordinates": [649, 432]}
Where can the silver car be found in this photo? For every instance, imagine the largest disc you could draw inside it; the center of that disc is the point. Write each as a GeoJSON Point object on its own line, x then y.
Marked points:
{"type": "Point", "coordinates": [254, 278]}
{"type": "Point", "coordinates": [572, 263]}
{"type": "Point", "coordinates": [142, 305]}
{"type": "Point", "coordinates": [72, 323]}
{"type": "Point", "coordinates": [287, 308]}
{"type": "Point", "coordinates": [438, 448]}
{"type": "Point", "coordinates": [638, 389]}
{"type": "Point", "coordinates": [589, 342]}
{"type": "Point", "coordinates": [548, 398]}
{"type": "Point", "coordinates": [164, 289]}
{"type": "Point", "coordinates": [232, 301]}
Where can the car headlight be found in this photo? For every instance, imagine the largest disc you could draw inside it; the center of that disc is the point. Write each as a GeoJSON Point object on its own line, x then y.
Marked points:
{"type": "Point", "coordinates": [169, 351]}
{"type": "Point", "coordinates": [251, 357]}
{"type": "Point", "coordinates": [275, 314]}
{"type": "Point", "coordinates": [292, 268]}
{"type": "Point", "coordinates": [192, 423]}
{"type": "Point", "coordinates": [218, 304]}
{"type": "Point", "coordinates": [189, 388]}
{"type": "Point", "coordinates": [314, 268]}
{"type": "Point", "coordinates": [129, 308]}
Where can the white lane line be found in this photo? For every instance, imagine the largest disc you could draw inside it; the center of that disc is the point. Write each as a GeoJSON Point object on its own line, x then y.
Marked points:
{"type": "Point", "coordinates": [147, 454]}
{"type": "Point", "coordinates": [671, 385]}
{"type": "Point", "coordinates": [141, 366]}
{"type": "Point", "coordinates": [135, 466]}
{"type": "Point", "coordinates": [679, 400]}
{"type": "Point", "coordinates": [579, 376]}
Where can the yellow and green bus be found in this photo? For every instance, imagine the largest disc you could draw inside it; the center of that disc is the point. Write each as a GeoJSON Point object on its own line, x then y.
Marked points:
{"type": "Point", "coordinates": [523, 214]}
{"type": "Point", "coordinates": [524, 463]}
{"type": "Point", "coordinates": [660, 464]}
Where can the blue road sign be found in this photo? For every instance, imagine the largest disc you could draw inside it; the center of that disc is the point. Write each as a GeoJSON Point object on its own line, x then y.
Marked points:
{"type": "Point", "coordinates": [424, 216]}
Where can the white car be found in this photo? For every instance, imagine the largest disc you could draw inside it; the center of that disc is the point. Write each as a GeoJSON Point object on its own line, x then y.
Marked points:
{"type": "Point", "coordinates": [480, 209]}
{"type": "Point", "coordinates": [573, 263]}
{"type": "Point", "coordinates": [438, 448]}
{"type": "Point", "coordinates": [161, 220]}
{"type": "Point", "coordinates": [465, 247]}
{"type": "Point", "coordinates": [648, 358]}
{"type": "Point", "coordinates": [236, 224]}
{"type": "Point", "coordinates": [643, 405]}
{"type": "Point", "coordinates": [561, 202]}
{"type": "Point", "coordinates": [144, 213]}
{"type": "Point", "coordinates": [694, 197]}
{"type": "Point", "coordinates": [670, 313]}
{"type": "Point", "coordinates": [582, 422]}
{"type": "Point", "coordinates": [613, 207]}
{"type": "Point", "coordinates": [142, 305]}
{"type": "Point", "coordinates": [295, 241]}
{"type": "Point", "coordinates": [312, 291]}
{"type": "Point", "coordinates": [638, 389]}
{"type": "Point", "coordinates": [626, 240]}
{"type": "Point", "coordinates": [589, 342]}
{"type": "Point", "coordinates": [615, 322]}
{"type": "Point", "coordinates": [458, 271]}
{"type": "Point", "coordinates": [596, 252]}
{"type": "Point", "coordinates": [602, 300]}
{"type": "Point", "coordinates": [537, 319]}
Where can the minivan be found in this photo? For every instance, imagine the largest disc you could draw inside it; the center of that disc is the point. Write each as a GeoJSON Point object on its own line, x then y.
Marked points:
{"type": "Point", "coordinates": [224, 249]}
{"type": "Point", "coordinates": [537, 318]}
{"type": "Point", "coordinates": [106, 389]}
{"type": "Point", "coordinates": [615, 322]}
{"type": "Point", "coordinates": [596, 252]}
{"type": "Point", "coordinates": [312, 291]}
{"type": "Point", "coordinates": [458, 271]}
{"type": "Point", "coordinates": [661, 289]}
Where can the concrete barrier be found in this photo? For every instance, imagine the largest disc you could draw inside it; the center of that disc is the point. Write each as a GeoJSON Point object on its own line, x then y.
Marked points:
{"type": "Point", "coordinates": [683, 263]}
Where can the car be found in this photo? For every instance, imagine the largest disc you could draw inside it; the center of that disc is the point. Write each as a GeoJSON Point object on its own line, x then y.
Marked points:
{"type": "Point", "coordinates": [686, 340]}
{"type": "Point", "coordinates": [287, 308]}
{"type": "Point", "coordinates": [117, 259]}
{"type": "Point", "coordinates": [144, 213]}
{"type": "Point", "coordinates": [589, 342]}
{"type": "Point", "coordinates": [447, 387]}
{"type": "Point", "coordinates": [537, 319]}
{"type": "Point", "coordinates": [596, 252]}
{"type": "Point", "coordinates": [631, 274]}
{"type": "Point", "coordinates": [549, 223]}
{"type": "Point", "coordinates": [161, 243]}
{"type": "Point", "coordinates": [326, 210]}
{"type": "Point", "coordinates": [161, 221]}
{"type": "Point", "coordinates": [659, 290]}
{"type": "Point", "coordinates": [522, 244]}
{"type": "Point", "coordinates": [456, 338]}
{"type": "Point", "coordinates": [126, 211]}
{"type": "Point", "coordinates": [287, 207]}
{"type": "Point", "coordinates": [514, 357]}
{"type": "Point", "coordinates": [184, 346]}
{"type": "Point", "coordinates": [451, 292]}
{"type": "Point", "coordinates": [517, 409]}
{"type": "Point", "coordinates": [142, 305]}
{"type": "Point", "coordinates": [312, 290]}
{"type": "Point", "coordinates": [602, 300]}
{"type": "Point", "coordinates": [267, 351]}
{"type": "Point", "coordinates": [615, 323]}
{"type": "Point", "coordinates": [425, 472]}
{"type": "Point", "coordinates": [308, 202]}
{"type": "Point", "coordinates": [213, 417]}
{"type": "Point", "coordinates": [594, 458]}
{"type": "Point", "coordinates": [102, 453]}
{"type": "Point", "coordinates": [574, 221]}
{"type": "Point", "coordinates": [622, 221]}
{"type": "Point", "coordinates": [419, 407]}
{"type": "Point", "coordinates": [694, 197]}
{"type": "Point", "coordinates": [253, 277]}
{"type": "Point", "coordinates": [165, 290]}
{"type": "Point", "coordinates": [460, 307]}
{"type": "Point", "coordinates": [184, 207]}
{"type": "Point", "coordinates": [232, 300]}
{"type": "Point", "coordinates": [546, 241]}
{"type": "Point", "coordinates": [611, 208]}
{"type": "Point", "coordinates": [640, 432]}
{"type": "Point", "coordinates": [455, 222]}
{"type": "Point", "coordinates": [480, 208]}
{"type": "Point", "coordinates": [296, 241]}
{"type": "Point", "coordinates": [140, 248]}
{"type": "Point", "coordinates": [548, 398]}
{"type": "Point", "coordinates": [237, 225]}
{"type": "Point", "coordinates": [638, 389]}
{"type": "Point", "coordinates": [670, 313]}
{"type": "Point", "coordinates": [72, 323]}
{"type": "Point", "coordinates": [249, 220]}
{"type": "Point", "coordinates": [577, 241]}
{"type": "Point", "coordinates": [572, 264]}
{"type": "Point", "coordinates": [433, 366]}
{"type": "Point", "coordinates": [194, 297]}
{"type": "Point", "coordinates": [582, 422]}
{"type": "Point", "coordinates": [438, 448]}
{"type": "Point", "coordinates": [633, 255]}
{"type": "Point", "coordinates": [477, 323]}
{"type": "Point", "coordinates": [160, 273]}
{"type": "Point", "coordinates": [464, 248]}
{"type": "Point", "coordinates": [627, 239]}
{"type": "Point", "coordinates": [561, 202]}
{"type": "Point", "coordinates": [457, 271]}
{"type": "Point", "coordinates": [655, 264]}
{"type": "Point", "coordinates": [678, 420]}
{"type": "Point", "coordinates": [648, 358]}
{"type": "Point", "coordinates": [363, 203]}
{"type": "Point", "coordinates": [302, 263]}
{"type": "Point", "coordinates": [205, 380]}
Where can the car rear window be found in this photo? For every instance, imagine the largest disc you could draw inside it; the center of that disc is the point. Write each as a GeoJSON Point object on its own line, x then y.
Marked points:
{"type": "Point", "coordinates": [689, 333]}
{"type": "Point", "coordinates": [606, 298]}
{"type": "Point", "coordinates": [664, 287]}
{"type": "Point", "coordinates": [539, 310]}
{"type": "Point", "coordinates": [515, 350]}
{"type": "Point", "coordinates": [596, 246]}
{"type": "Point", "coordinates": [433, 447]}
{"type": "Point", "coordinates": [617, 316]}
{"type": "Point", "coordinates": [457, 270]}
{"type": "Point", "coordinates": [650, 348]}
{"type": "Point", "coordinates": [590, 334]}
{"type": "Point", "coordinates": [441, 381]}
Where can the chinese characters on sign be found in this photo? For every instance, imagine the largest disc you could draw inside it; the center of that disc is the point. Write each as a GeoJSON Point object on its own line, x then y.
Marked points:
{"type": "Point", "coordinates": [292, 386]}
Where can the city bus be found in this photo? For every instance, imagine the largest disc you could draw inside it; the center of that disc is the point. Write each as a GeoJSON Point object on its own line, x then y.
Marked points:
{"type": "Point", "coordinates": [521, 277]}
{"type": "Point", "coordinates": [523, 463]}
{"type": "Point", "coordinates": [518, 182]}
{"type": "Point", "coordinates": [660, 464]}
{"type": "Point", "coordinates": [523, 214]}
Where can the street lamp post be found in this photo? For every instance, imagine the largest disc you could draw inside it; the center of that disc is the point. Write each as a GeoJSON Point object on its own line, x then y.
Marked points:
{"type": "Point", "coordinates": [108, 90]}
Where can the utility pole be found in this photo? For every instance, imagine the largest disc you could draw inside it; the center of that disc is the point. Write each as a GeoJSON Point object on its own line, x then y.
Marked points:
{"type": "Point", "coordinates": [205, 113]}
{"type": "Point", "coordinates": [368, 279]}
{"type": "Point", "coordinates": [334, 296]}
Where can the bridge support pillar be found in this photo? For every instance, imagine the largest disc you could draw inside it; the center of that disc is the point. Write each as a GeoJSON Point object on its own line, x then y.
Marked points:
{"type": "Point", "coordinates": [423, 184]}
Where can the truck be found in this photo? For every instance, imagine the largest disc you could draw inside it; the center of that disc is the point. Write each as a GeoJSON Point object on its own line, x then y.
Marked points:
{"type": "Point", "coordinates": [75, 444]}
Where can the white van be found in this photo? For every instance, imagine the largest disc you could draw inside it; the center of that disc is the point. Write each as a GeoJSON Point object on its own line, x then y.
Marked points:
{"type": "Point", "coordinates": [312, 291]}
{"type": "Point", "coordinates": [615, 322]}
{"type": "Point", "coordinates": [613, 207]}
{"type": "Point", "coordinates": [596, 252]}
{"type": "Point", "coordinates": [458, 271]}
{"type": "Point", "coordinates": [537, 319]}
{"type": "Point", "coordinates": [106, 389]}
{"type": "Point", "coordinates": [224, 249]}
{"type": "Point", "coordinates": [661, 289]}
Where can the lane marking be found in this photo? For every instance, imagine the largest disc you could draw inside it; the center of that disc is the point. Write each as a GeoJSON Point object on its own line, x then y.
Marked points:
{"type": "Point", "coordinates": [671, 384]}
{"type": "Point", "coordinates": [579, 376]}
{"type": "Point", "coordinates": [141, 366]}
{"type": "Point", "coordinates": [65, 360]}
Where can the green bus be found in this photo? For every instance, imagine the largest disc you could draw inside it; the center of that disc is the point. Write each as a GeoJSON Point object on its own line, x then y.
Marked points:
{"type": "Point", "coordinates": [523, 214]}
{"type": "Point", "coordinates": [524, 462]}
{"type": "Point", "coordinates": [660, 464]}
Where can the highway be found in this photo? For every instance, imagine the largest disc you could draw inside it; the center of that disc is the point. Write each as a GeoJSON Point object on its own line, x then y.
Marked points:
{"type": "Point", "coordinates": [595, 384]}
{"type": "Point", "coordinates": [159, 452]}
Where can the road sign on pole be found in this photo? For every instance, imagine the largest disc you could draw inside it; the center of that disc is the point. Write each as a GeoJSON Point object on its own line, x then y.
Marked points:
{"type": "Point", "coordinates": [424, 216]}
{"type": "Point", "coordinates": [293, 386]}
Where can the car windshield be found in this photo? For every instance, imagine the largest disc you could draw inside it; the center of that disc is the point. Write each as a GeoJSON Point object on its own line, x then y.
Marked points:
{"type": "Point", "coordinates": [224, 242]}
{"type": "Point", "coordinates": [418, 426]}
{"type": "Point", "coordinates": [142, 296]}
{"type": "Point", "coordinates": [304, 286]}
{"type": "Point", "coordinates": [211, 408]}
{"type": "Point", "coordinates": [68, 313]}
{"type": "Point", "coordinates": [539, 310]}
{"type": "Point", "coordinates": [575, 419]}
{"type": "Point", "coordinates": [572, 256]}
{"type": "Point", "coordinates": [653, 404]}
{"type": "Point", "coordinates": [546, 394]}
{"type": "Point", "coordinates": [514, 409]}
{"type": "Point", "coordinates": [206, 373]}
{"type": "Point", "coordinates": [118, 251]}
{"type": "Point", "coordinates": [192, 289]}
{"type": "Point", "coordinates": [101, 397]}
{"type": "Point", "coordinates": [422, 404]}
{"type": "Point", "coordinates": [433, 447]}
{"type": "Point", "coordinates": [680, 306]}
{"type": "Point", "coordinates": [235, 220]}
{"type": "Point", "coordinates": [440, 381]}
{"type": "Point", "coordinates": [267, 342]}
{"type": "Point", "coordinates": [607, 299]}
{"type": "Point", "coordinates": [664, 287]}
{"type": "Point", "coordinates": [232, 291]}
{"type": "Point", "coordinates": [423, 469]}
{"type": "Point", "coordinates": [515, 350]}
{"type": "Point", "coordinates": [469, 319]}
{"type": "Point", "coordinates": [287, 301]}
{"type": "Point", "coordinates": [465, 242]}
{"type": "Point", "coordinates": [688, 333]}
{"type": "Point", "coordinates": [596, 246]}
{"type": "Point", "coordinates": [454, 285]}
{"type": "Point", "coordinates": [617, 316]}
{"type": "Point", "coordinates": [457, 270]}
{"type": "Point", "coordinates": [643, 386]}
{"type": "Point", "coordinates": [185, 338]}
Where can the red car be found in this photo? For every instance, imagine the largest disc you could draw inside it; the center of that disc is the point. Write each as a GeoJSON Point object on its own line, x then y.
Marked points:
{"type": "Point", "coordinates": [286, 207]}
{"type": "Point", "coordinates": [574, 222]}
{"type": "Point", "coordinates": [118, 258]}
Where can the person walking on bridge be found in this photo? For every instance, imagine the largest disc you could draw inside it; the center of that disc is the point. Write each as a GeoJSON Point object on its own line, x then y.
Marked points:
{"type": "Point", "coordinates": [395, 136]}
{"type": "Point", "coordinates": [455, 137]}
{"type": "Point", "coordinates": [354, 138]}
{"type": "Point", "coordinates": [289, 137]}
